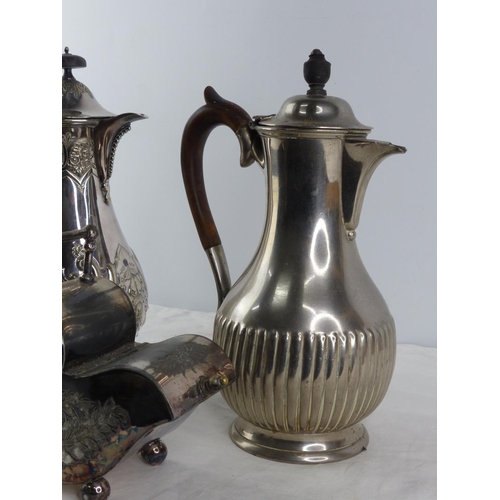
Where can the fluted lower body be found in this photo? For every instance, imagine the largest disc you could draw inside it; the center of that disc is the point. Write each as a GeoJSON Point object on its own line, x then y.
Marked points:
{"type": "Point", "coordinates": [308, 332]}
{"type": "Point", "coordinates": [301, 386]}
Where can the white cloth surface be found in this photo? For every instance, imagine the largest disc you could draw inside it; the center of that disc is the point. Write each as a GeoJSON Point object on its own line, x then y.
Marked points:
{"type": "Point", "coordinates": [203, 463]}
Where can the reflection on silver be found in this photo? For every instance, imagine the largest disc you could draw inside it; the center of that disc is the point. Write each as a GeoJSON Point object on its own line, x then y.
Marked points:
{"type": "Point", "coordinates": [90, 136]}
{"type": "Point", "coordinates": [320, 448]}
{"type": "Point", "coordinates": [316, 248]}
{"type": "Point", "coordinates": [310, 336]}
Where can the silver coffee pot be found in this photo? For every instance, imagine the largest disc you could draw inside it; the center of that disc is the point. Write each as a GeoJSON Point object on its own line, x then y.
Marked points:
{"type": "Point", "coordinates": [90, 136]}
{"type": "Point", "coordinates": [309, 334]}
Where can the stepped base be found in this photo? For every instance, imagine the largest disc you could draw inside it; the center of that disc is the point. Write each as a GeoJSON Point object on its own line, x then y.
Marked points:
{"type": "Point", "coordinates": [299, 448]}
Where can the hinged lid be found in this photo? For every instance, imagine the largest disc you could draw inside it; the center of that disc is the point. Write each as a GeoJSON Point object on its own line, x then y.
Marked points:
{"type": "Point", "coordinates": [77, 100]}
{"type": "Point", "coordinates": [315, 110]}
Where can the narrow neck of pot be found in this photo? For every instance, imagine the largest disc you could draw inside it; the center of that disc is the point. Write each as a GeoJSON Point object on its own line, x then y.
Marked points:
{"type": "Point", "coordinates": [305, 189]}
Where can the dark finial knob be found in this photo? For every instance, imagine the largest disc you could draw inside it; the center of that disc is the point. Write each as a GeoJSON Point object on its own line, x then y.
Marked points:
{"type": "Point", "coordinates": [316, 72]}
{"type": "Point", "coordinates": [70, 61]}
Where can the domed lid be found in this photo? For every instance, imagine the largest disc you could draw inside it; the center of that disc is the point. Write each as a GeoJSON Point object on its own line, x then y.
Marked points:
{"type": "Point", "coordinates": [78, 102]}
{"type": "Point", "coordinates": [315, 110]}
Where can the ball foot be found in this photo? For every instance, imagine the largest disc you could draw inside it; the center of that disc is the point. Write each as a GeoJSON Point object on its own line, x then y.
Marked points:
{"type": "Point", "coordinates": [154, 452]}
{"type": "Point", "coordinates": [98, 489]}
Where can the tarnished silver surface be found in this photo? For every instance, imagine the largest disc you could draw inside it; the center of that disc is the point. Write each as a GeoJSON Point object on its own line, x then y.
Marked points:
{"type": "Point", "coordinates": [119, 395]}
{"type": "Point", "coordinates": [90, 135]}
{"type": "Point", "coordinates": [311, 337]}
{"type": "Point", "coordinates": [82, 442]}
{"type": "Point", "coordinates": [117, 401]}
{"type": "Point", "coordinates": [179, 368]}
{"type": "Point", "coordinates": [98, 489]}
{"type": "Point", "coordinates": [96, 317]}
{"type": "Point", "coordinates": [155, 452]}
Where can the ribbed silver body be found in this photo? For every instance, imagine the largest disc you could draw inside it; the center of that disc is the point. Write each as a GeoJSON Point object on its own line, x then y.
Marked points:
{"type": "Point", "coordinates": [306, 382]}
{"type": "Point", "coordinates": [309, 334]}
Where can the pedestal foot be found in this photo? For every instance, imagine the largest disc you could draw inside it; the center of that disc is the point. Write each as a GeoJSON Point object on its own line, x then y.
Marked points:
{"type": "Point", "coordinates": [299, 448]}
{"type": "Point", "coordinates": [154, 453]}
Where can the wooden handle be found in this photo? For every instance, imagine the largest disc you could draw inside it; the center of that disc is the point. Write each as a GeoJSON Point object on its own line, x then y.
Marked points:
{"type": "Point", "coordinates": [217, 111]}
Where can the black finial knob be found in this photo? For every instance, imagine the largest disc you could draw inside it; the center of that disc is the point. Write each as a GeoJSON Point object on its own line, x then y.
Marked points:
{"type": "Point", "coordinates": [316, 72]}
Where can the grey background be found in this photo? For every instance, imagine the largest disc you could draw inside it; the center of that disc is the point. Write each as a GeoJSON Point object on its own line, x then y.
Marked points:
{"type": "Point", "coordinates": [156, 57]}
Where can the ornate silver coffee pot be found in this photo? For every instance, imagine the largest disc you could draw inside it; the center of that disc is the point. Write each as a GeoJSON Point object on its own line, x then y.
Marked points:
{"type": "Point", "coordinates": [310, 336]}
{"type": "Point", "coordinates": [90, 135]}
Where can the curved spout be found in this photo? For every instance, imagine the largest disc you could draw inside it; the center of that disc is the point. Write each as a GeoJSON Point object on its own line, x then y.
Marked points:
{"type": "Point", "coordinates": [360, 159]}
{"type": "Point", "coordinates": [107, 135]}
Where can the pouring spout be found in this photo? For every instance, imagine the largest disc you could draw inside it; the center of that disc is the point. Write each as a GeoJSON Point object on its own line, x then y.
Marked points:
{"type": "Point", "coordinates": [107, 135]}
{"type": "Point", "coordinates": [360, 159]}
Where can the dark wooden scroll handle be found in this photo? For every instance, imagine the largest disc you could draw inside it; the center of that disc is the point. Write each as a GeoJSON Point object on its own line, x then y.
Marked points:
{"type": "Point", "coordinates": [217, 111]}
